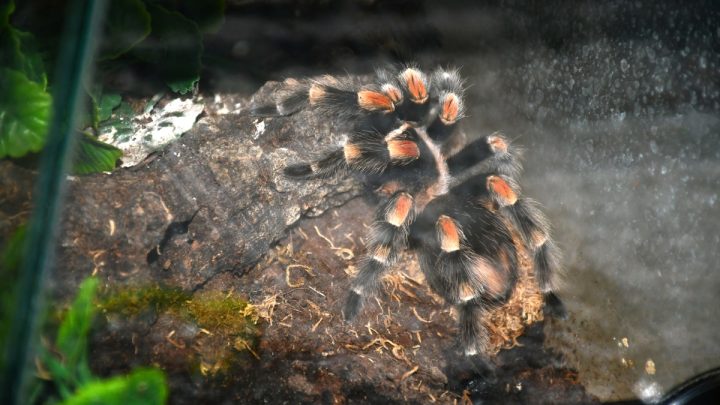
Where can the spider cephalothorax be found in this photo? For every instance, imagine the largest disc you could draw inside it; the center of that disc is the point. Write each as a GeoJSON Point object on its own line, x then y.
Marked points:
{"type": "Point", "coordinates": [456, 204]}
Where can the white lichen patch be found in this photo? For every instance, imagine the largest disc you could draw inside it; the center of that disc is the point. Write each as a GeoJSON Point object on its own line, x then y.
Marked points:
{"type": "Point", "coordinates": [153, 129]}
{"type": "Point", "coordinates": [259, 128]}
{"type": "Point", "coordinates": [292, 214]}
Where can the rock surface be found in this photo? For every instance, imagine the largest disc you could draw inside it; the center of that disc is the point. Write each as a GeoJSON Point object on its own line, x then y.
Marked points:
{"type": "Point", "coordinates": [183, 241]}
{"type": "Point", "coordinates": [212, 202]}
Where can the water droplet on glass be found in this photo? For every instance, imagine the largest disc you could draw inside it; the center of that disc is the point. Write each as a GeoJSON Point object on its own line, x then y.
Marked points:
{"type": "Point", "coordinates": [653, 147]}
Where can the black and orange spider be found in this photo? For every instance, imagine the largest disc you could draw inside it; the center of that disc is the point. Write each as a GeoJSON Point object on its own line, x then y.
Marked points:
{"type": "Point", "coordinates": [456, 204]}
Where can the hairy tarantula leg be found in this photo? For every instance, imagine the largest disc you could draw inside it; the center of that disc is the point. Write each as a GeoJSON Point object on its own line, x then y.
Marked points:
{"type": "Point", "coordinates": [365, 152]}
{"type": "Point", "coordinates": [451, 107]}
{"type": "Point", "coordinates": [473, 335]}
{"type": "Point", "coordinates": [342, 98]}
{"type": "Point", "coordinates": [534, 229]}
{"type": "Point", "coordinates": [387, 238]}
{"type": "Point", "coordinates": [475, 267]}
{"type": "Point", "coordinates": [330, 165]}
{"type": "Point", "coordinates": [416, 89]}
{"type": "Point", "coordinates": [333, 96]}
{"type": "Point", "coordinates": [289, 99]}
{"type": "Point", "coordinates": [493, 153]}
{"type": "Point", "coordinates": [336, 100]}
{"type": "Point", "coordinates": [554, 306]}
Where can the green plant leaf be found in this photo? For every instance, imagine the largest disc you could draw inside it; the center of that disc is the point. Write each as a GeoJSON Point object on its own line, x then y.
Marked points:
{"type": "Point", "coordinates": [142, 386]}
{"type": "Point", "coordinates": [72, 337]}
{"type": "Point", "coordinates": [24, 114]}
{"type": "Point", "coordinates": [173, 48]}
{"type": "Point", "coordinates": [106, 105]}
{"type": "Point", "coordinates": [127, 23]}
{"type": "Point", "coordinates": [18, 50]}
{"type": "Point", "coordinates": [101, 106]}
{"type": "Point", "coordinates": [94, 156]}
{"type": "Point", "coordinates": [31, 61]}
{"type": "Point", "coordinates": [61, 376]}
{"type": "Point", "coordinates": [183, 86]}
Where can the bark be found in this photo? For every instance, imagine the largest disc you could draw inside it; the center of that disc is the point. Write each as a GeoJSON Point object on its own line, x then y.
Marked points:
{"type": "Point", "coordinates": [212, 202]}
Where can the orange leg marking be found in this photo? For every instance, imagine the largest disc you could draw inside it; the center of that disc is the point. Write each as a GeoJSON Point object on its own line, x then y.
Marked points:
{"type": "Point", "coordinates": [388, 188]}
{"type": "Point", "coordinates": [397, 214]}
{"type": "Point", "coordinates": [502, 190]}
{"type": "Point", "coordinates": [497, 144]}
{"type": "Point", "coordinates": [374, 101]}
{"type": "Point", "coordinates": [467, 292]}
{"type": "Point", "coordinates": [450, 109]}
{"type": "Point", "coordinates": [449, 234]}
{"type": "Point", "coordinates": [403, 149]}
{"type": "Point", "coordinates": [316, 93]}
{"type": "Point", "coordinates": [538, 238]}
{"type": "Point", "coordinates": [416, 85]}
{"type": "Point", "coordinates": [352, 152]}
{"type": "Point", "coordinates": [393, 93]}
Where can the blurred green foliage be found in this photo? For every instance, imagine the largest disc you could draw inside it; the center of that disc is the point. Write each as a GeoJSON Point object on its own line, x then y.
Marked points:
{"type": "Point", "coordinates": [93, 156]}
{"type": "Point", "coordinates": [162, 35]}
{"type": "Point", "coordinates": [68, 370]}
{"type": "Point", "coordinates": [26, 103]}
{"type": "Point", "coordinates": [64, 364]}
{"type": "Point", "coordinates": [24, 114]}
{"type": "Point", "coordinates": [141, 387]}
{"type": "Point", "coordinates": [126, 24]}
{"type": "Point", "coordinates": [10, 257]}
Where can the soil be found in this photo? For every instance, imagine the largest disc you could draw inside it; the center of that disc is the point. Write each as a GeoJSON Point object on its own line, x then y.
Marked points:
{"type": "Point", "coordinates": [249, 310]}
{"type": "Point", "coordinates": [401, 349]}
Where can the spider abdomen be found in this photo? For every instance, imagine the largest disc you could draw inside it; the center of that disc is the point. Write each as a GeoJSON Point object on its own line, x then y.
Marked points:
{"type": "Point", "coordinates": [469, 252]}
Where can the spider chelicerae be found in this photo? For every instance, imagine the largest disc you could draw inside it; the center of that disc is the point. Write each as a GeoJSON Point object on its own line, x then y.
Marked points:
{"type": "Point", "coordinates": [457, 204]}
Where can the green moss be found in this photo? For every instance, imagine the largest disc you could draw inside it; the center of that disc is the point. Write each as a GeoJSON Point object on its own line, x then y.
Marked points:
{"type": "Point", "coordinates": [212, 310]}
{"type": "Point", "coordinates": [134, 301]}
{"type": "Point", "coordinates": [226, 317]}
{"type": "Point", "coordinates": [219, 312]}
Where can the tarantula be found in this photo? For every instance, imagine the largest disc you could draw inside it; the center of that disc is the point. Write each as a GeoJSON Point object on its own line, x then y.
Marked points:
{"type": "Point", "coordinates": [456, 204]}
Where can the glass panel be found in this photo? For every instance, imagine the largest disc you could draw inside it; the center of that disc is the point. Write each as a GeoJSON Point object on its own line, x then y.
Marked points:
{"type": "Point", "coordinates": [230, 207]}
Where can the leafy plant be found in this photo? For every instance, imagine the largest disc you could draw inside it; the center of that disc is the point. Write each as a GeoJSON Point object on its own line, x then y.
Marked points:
{"type": "Point", "coordinates": [24, 114]}
{"type": "Point", "coordinates": [127, 23]}
{"type": "Point", "coordinates": [174, 48]}
{"type": "Point", "coordinates": [18, 50]}
{"type": "Point", "coordinates": [93, 156]}
{"type": "Point", "coordinates": [24, 100]}
{"type": "Point", "coordinates": [164, 34]}
{"type": "Point", "coordinates": [25, 103]}
{"type": "Point", "coordinates": [69, 370]}
{"type": "Point", "coordinates": [72, 368]}
{"type": "Point", "coordinates": [142, 386]}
